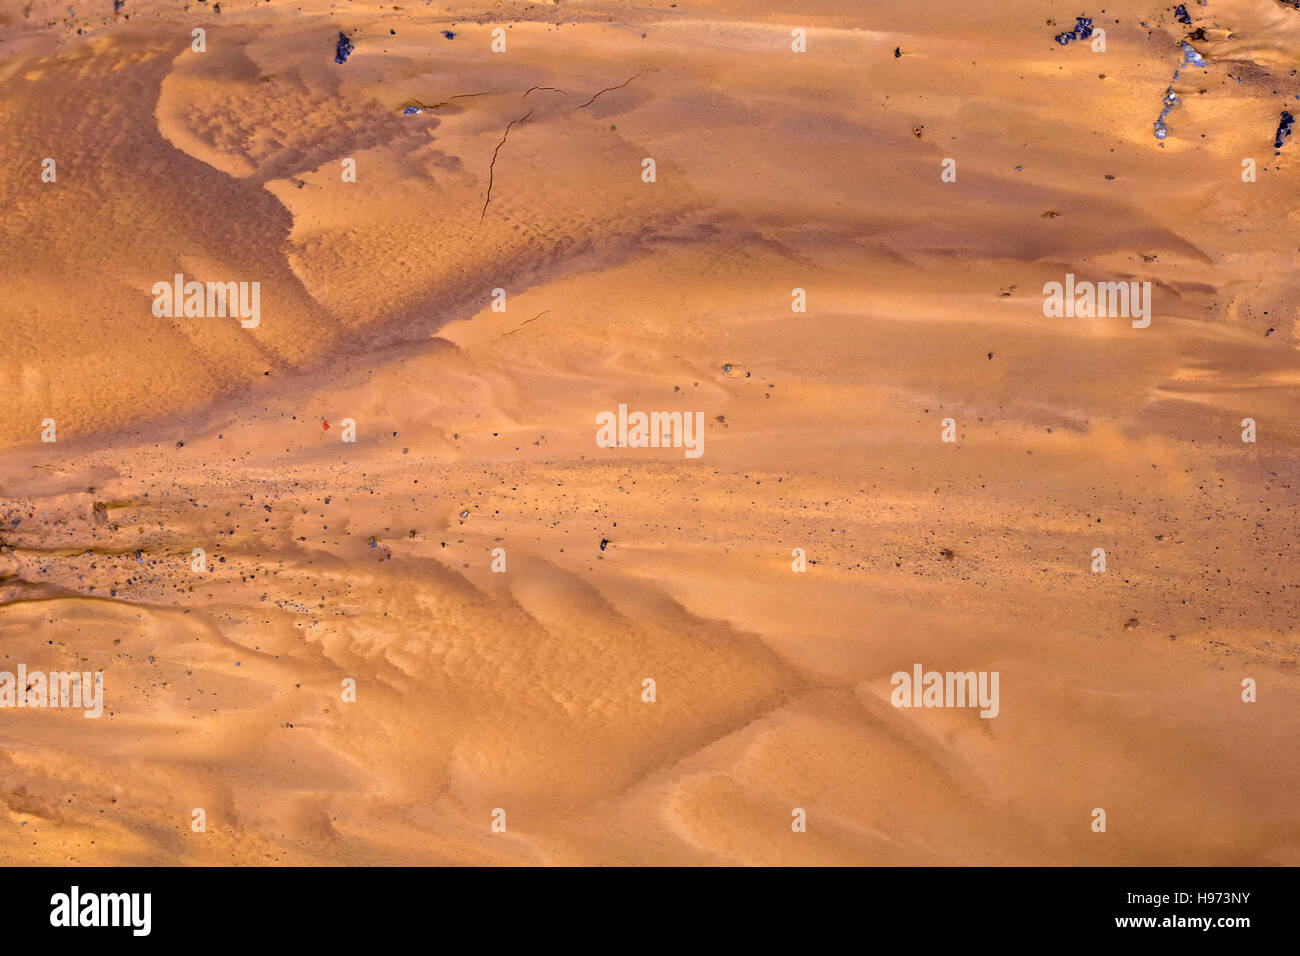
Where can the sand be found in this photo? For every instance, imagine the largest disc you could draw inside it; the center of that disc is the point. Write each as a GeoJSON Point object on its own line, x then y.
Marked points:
{"type": "Point", "coordinates": [522, 690]}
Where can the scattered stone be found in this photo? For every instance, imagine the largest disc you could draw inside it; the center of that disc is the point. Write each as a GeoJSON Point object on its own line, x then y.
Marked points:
{"type": "Point", "coordinates": [1283, 129]}
{"type": "Point", "coordinates": [345, 48]}
{"type": "Point", "coordinates": [1191, 57]}
{"type": "Point", "coordinates": [1171, 99]}
{"type": "Point", "coordinates": [1082, 30]}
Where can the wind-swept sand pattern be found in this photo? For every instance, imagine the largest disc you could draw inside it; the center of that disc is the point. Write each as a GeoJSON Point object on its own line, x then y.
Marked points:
{"type": "Point", "coordinates": [372, 561]}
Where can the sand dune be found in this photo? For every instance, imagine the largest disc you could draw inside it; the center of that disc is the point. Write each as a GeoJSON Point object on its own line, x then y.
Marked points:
{"type": "Point", "coordinates": [476, 690]}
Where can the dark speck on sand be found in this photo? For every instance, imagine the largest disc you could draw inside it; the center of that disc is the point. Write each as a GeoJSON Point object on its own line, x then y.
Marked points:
{"type": "Point", "coordinates": [448, 34]}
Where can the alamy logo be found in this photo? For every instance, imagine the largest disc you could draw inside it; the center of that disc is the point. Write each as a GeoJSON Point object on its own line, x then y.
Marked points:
{"type": "Point", "coordinates": [951, 689]}
{"type": "Point", "coordinates": [55, 689]}
{"type": "Point", "coordinates": [1091, 300]}
{"type": "Point", "coordinates": [103, 909]}
{"type": "Point", "coordinates": [653, 430]}
{"type": "Point", "coordinates": [197, 300]}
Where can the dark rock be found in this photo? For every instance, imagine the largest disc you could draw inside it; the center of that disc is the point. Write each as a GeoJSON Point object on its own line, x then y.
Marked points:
{"type": "Point", "coordinates": [345, 48]}
{"type": "Point", "coordinates": [1283, 129]}
{"type": "Point", "coordinates": [1082, 30]}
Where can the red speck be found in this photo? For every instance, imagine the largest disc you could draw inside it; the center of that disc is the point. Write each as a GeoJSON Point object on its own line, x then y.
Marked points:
{"type": "Point", "coordinates": [324, 424]}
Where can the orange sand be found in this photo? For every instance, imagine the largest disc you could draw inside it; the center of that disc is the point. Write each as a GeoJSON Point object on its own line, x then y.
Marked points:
{"type": "Point", "coordinates": [522, 690]}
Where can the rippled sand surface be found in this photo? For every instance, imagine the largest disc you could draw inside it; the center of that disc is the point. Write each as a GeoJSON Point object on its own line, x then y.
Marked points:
{"type": "Point", "coordinates": [522, 691]}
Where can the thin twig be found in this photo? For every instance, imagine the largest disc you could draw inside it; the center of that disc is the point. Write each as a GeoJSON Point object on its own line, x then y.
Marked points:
{"type": "Point", "coordinates": [533, 319]}
{"type": "Point", "coordinates": [607, 89]}
{"type": "Point", "coordinates": [493, 164]}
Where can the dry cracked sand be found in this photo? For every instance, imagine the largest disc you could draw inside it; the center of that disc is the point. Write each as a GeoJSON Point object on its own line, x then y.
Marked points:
{"type": "Point", "coordinates": [371, 560]}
